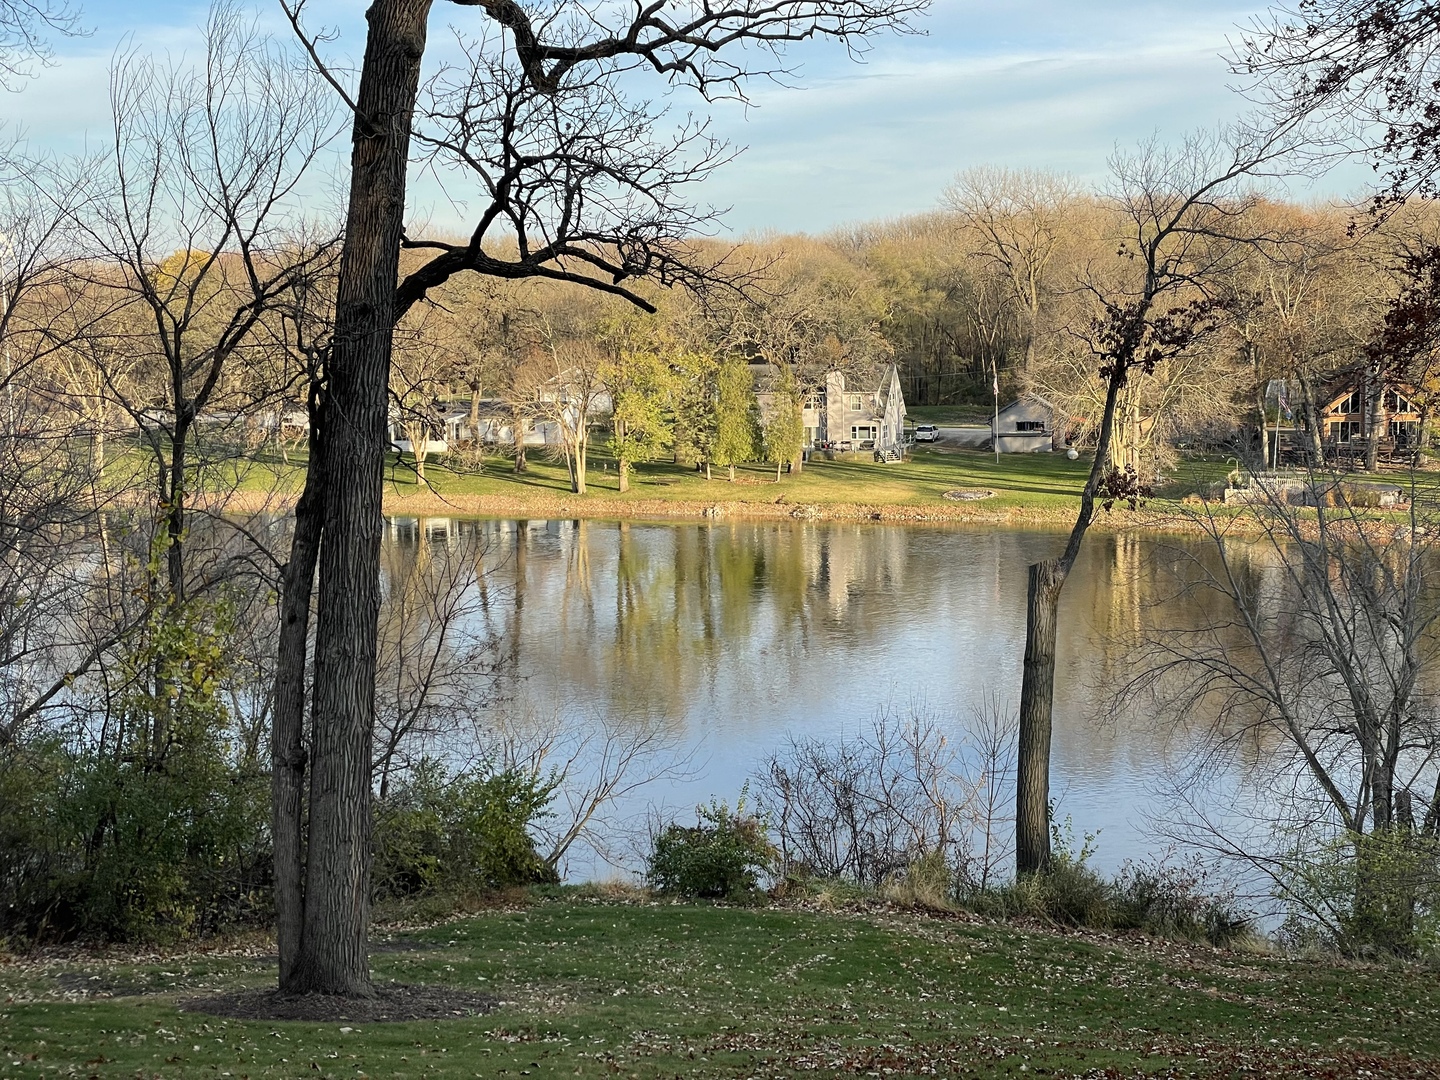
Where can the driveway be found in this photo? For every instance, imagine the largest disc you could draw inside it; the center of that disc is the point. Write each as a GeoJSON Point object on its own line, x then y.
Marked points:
{"type": "Point", "coordinates": [957, 437]}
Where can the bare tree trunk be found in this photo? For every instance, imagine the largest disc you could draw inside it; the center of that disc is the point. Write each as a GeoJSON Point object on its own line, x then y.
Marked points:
{"type": "Point", "coordinates": [287, 742]}
{"type": "Point", "coordinates": [1312, 420]}
{"type": "Point", "coordinates": [175, 508]}
{"type": "Point", "coordinates": [1037, 686]}
{"type": "Point", "coordinates": [334, 950]}
{"type": "Point", "coordinates": [622, 468]}
{"type": "Point", "coordinates": [517, 429]}
{"type": "Point", "coordinates": [1037, 699]}
{"type": "Point", "coordinates": [1264, 435]}
{"type": "Point", "coordinates": [419, 436]}
{"type": "Point", "coordinates": [1376, 406]}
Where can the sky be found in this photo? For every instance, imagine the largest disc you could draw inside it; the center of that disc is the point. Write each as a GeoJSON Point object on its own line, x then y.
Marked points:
{"type": "Point", "coordinates": [1044, 84]}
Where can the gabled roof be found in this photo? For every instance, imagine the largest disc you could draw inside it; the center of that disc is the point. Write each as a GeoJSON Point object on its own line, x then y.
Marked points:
{"type": "Point", "coordinates": [1027, 399]}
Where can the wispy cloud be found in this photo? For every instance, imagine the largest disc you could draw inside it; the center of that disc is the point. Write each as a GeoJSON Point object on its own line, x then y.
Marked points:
{"type": "Point", "coordinates": [1039, 83]}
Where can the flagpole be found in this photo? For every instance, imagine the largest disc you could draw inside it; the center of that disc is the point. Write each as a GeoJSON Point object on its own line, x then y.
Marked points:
{"type": "Point", "coordinates": [995, 428]}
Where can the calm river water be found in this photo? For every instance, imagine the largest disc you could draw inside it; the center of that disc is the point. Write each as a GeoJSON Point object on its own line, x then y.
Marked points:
{"type": "Point", "coordinates": [737, 636]}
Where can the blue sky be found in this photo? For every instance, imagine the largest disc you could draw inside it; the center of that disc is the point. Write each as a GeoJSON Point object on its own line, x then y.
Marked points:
{"type": "Point", "coordinates": [1026, 83]}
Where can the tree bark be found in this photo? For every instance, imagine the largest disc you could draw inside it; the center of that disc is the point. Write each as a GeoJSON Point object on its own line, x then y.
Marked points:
{"type": "Point", "coordinates": [622, 467]}
{"type": "Point", "coordinates": [1312, 421]}
{"type": "Point", "coordinates": [1037, 687]}
{"type": "Point", "coordinates": [1037, 699]}
{"type": "Point", "coordinates": [1376, 409]}
{"type": "Point", "coordinates": [287, 741]}
{"type": "Point", "coordinates": [333, 955]}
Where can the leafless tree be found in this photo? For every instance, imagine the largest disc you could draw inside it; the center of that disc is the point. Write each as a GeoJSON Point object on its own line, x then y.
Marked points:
{"type": "Point", "coordinates": [25, 27]}
{"type": "Point", "coordinates": [533, 122]}
{"type": "Point", "coordinates": [1019, 218]}
{"type": "Point", "coordinates": [1301, 641]}
{"type": "Point", "coordinates": [1183, 211]}
{"type": "Point", "coordinates": [192, 236]}
{"type": "Point", "coordinates": [870, 805]}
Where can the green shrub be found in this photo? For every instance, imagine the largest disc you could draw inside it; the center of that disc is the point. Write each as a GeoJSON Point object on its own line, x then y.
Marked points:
{"type": "Point", "coordinates": [440, 834]}
{"type": "Point", "coordinates": [149, 827]}
{"type": "Point", "coordinates": [1363, 894]}
{"type": "Point", "coordinates": [722, 856]}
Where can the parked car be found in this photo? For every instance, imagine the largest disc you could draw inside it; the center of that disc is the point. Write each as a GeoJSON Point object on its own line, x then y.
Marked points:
{"type": "Point", "coordinates": [927, 433]}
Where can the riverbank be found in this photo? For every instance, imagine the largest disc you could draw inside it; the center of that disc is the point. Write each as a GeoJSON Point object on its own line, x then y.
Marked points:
{"type": "Point", "coordinates": [936, 485]}
{"type": "Point", "coordinates": [590, 982]}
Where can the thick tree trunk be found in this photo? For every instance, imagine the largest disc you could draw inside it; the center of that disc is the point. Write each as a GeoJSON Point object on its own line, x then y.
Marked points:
{"type": "Point", "coordinates": [1314, 440]}
{"type": "Point", "coordinates": [287, 741]}
{"type": "Point", "coordinates": [333, 955]}
{"type": "Point", "coordinates": [175, 511]}
{"type": "Point", "coordinates": [1037, 698]}
{"type": "Point", "coordinates": [622, 468]}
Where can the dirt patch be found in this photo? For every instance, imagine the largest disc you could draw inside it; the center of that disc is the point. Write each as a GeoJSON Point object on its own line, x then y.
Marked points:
{"type": "Point", "coordinates": [391, 1004]}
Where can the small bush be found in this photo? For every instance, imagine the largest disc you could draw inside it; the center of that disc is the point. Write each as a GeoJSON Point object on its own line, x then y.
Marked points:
{"type": "Point", "coordinates": [722, 856]}
{"type": "Point", "coordinates": [441, 835]}
{"type": "Point", "coordinates": [1365, 894]}
{"type": "Point", "coordinates": [1176, 901]}
{"type": "Point", "coordinates": [1171, 900]}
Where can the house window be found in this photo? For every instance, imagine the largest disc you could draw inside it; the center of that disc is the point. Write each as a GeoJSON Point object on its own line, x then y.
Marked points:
{"type": "Point", "coordinates": [1346, 430]}
{"type": "Point", "coordinates": [1403, 431]}
{"type": "Point", "coordinates": [862, 433]}
{"type": "Point", "coordinates": [1398, 404]}
{"type": "Point", "coordinates": [812, 400]}
{"type": "Point", "coordinates": [1033, 426]}
{"type": "Point", "coordinates": [852, 402]}
{"type": "Point", "coordinates": [1350, 405]}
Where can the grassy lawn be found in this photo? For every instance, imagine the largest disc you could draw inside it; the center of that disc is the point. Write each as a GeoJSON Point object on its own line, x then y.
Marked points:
{"type": "Point", "coordinates": [951, 414]}
{"type": "Point", "coordinates": [598, 988]}
{"type": "Point", "coordinates": [1039, 481]}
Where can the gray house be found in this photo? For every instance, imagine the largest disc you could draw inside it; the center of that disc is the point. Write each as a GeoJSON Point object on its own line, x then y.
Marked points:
{"type": "Point", "coordinates": [839, 419]}
{"type": "Point", "coordinates": [1025, 426]}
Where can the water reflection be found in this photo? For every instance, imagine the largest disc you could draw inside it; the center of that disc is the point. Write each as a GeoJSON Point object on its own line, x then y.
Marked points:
{"type": "Point", "coordinates": [737, 635]}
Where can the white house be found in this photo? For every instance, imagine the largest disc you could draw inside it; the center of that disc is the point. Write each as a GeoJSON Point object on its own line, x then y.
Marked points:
{"type": "Point", "coordinates": [1027, 425]}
